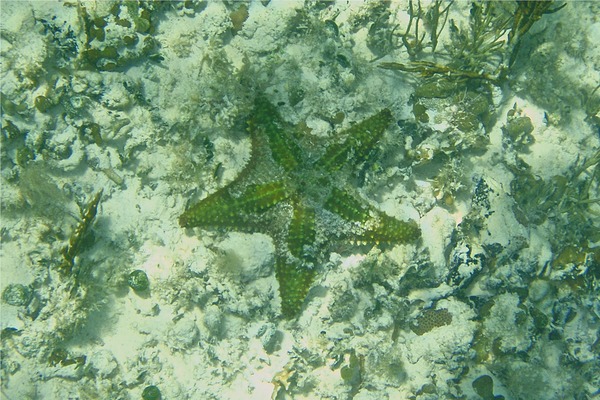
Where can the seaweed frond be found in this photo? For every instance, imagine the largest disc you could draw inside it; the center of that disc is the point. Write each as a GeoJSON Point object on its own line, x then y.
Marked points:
{"type": "Point", "coordinates": [422, 22]}
{"type": "Point", "coordinates": [429, 69]}
{"type": "Point", "coordinates": [77, 237]}
{"type": "Point", "coordinates": [527, 13]}
{"type": "Point", "coordinates": [484, 49]}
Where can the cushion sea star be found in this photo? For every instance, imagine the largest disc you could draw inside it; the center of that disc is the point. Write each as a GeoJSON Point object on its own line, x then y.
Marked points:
{"type": "Point", "coordinates": [305, 203]}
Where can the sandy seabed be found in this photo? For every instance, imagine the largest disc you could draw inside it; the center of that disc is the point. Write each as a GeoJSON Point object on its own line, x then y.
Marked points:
{"type": "Point", "coordinates": [146, 102]}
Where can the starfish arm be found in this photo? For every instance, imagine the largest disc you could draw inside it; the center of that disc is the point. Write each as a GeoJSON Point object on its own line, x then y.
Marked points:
{"type": "Point", "coordinates": [360, 140]}
{"type": "Point", "coordinates": [301, 232]}
{"type": "Point", "coordinates": [295, 273]}
{"type": "Point", "coordinates": [295, 279]}
{"type": "Point", "coordinates": [284, 150]}
{"type": "Point", "coordinates": [259, 198]}
{"type": "Point", "coordinates": [389, 230]}
{"type": "Point", "coordinates": [221, 210]}
{"type": "Point", "coordinates": [346, 206]}
{"type": "Point", "coordinates": [212, 211]}
{"type": "Point", "coordinates": [375, 227]}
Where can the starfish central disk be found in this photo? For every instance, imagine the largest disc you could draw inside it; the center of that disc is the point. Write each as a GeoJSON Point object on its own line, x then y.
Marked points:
{"type": "Point", "coordinates": [301, 192]}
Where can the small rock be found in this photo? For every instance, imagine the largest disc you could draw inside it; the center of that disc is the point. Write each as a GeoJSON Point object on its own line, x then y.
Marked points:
{"type": "Point", "coordinates": [104, 363]}
{"type": "Point", "coordinates": [184, 334]}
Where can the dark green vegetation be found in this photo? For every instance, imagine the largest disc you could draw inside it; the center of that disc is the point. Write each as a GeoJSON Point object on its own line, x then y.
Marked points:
{"type": "Point", "coordinates": [138, 281]}
{"type": "Point", "coordinates": [151, 393]}
{"type": "Point", "coordinates": [485, 50]}
{"type": "Point", "coordinates": [484, 387]}
{"type": "Point", "coordinates": [305, 192]}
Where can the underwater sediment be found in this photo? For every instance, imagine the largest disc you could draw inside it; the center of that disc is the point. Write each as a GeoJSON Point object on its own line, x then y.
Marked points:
{"type": "Point", "coordinates": [300, 199]}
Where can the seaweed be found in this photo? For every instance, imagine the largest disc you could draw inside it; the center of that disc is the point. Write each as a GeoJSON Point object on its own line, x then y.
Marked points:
{"type": "Point", "coordinates": [566, 200]}
{"type": "Point", "coordinates": [485, 50]}
{"type": "Point", "coordinates": [430, 69]}
{"type": "Point", "coordinates": [432, 20]}
{"type": "Point", "coordinates": [74, 246]}
{"type": "Point", "coordinates": [527, 13]}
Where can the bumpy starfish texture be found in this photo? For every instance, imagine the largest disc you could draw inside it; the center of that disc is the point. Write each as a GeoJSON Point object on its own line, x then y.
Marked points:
{"type": "Point", "coordinates": [306, 204]}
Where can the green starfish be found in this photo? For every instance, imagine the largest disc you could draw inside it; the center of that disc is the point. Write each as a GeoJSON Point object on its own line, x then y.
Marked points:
{"type": "Point", "coordinates": [282, 182]}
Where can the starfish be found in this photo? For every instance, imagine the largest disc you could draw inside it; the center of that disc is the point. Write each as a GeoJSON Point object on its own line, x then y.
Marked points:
{"type": "Point", "coordinates": [305, 202]}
